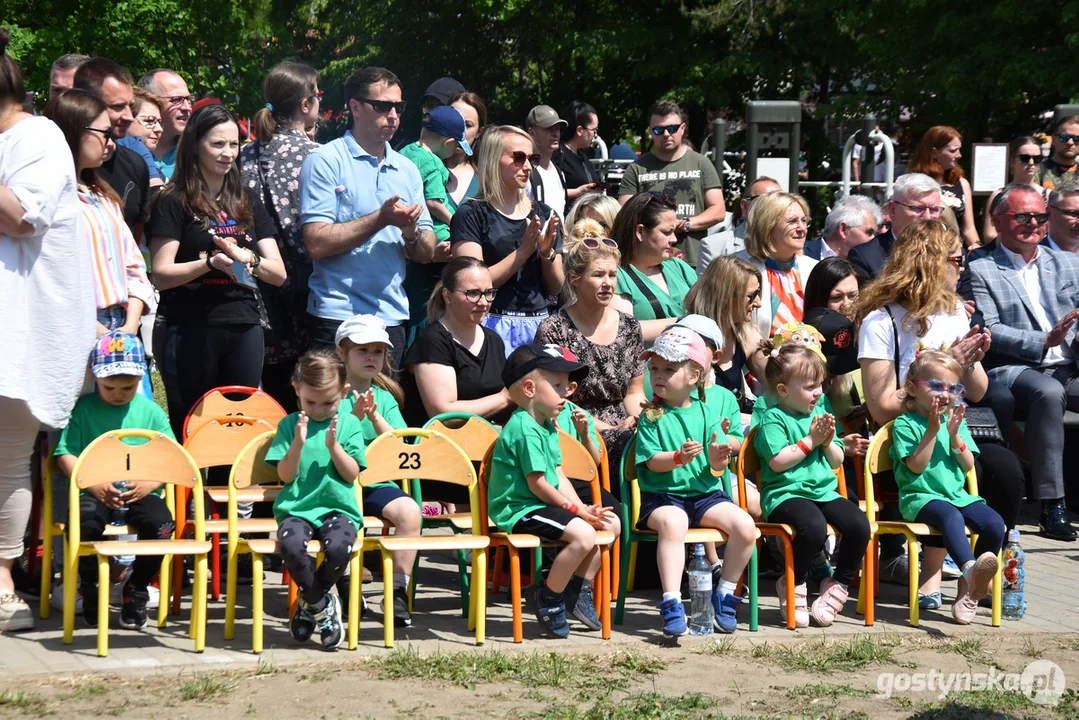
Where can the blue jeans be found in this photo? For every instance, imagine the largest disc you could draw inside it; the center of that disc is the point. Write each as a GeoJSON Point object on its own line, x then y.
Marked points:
{"type": "Point", "coordinates": [953, 521]}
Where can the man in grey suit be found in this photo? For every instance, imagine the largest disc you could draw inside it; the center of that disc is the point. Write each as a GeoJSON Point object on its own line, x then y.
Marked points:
{"type": "Point", "coordinates": [1028, 295]}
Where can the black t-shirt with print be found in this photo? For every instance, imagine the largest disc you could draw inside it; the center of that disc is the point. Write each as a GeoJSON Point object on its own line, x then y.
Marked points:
{"type": "Point", "coordinates": [498, 236]}
{"type": "Point", "coordinates": [577, 169]}
{"type": "Point", "coordinates": [477, 375]}
{"type": "Point", "coordinates": [213, 298]}
{"type": "Point", "coordinates": [127, 174]}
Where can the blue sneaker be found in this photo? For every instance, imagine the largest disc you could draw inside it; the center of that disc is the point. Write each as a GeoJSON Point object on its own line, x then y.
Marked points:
{"type": "Point", "coordinates": [932, 601]}
{"type": "Point", "coordinates": [820, 573]}
{"type": "Point", "coordinates": [950, 570]}
{"type": "Point", "coordinates": [674, 618]}
{"type": "Point", "coordinates": [726, 616]}
{"type": "Point", "coordinates": [553, 617]}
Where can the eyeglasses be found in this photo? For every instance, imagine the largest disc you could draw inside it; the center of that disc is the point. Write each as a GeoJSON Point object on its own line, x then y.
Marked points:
{"type": "Point", "coordinates": [149, 121]}
{"type": "Point", "coordinates": [958, 261]}
{"type": "Point", "coordinates": [1025, 218]}
{"type": "Point", "coordinates": [474, 295]}
{"type": "Point", "coordinates": [755, 295]}
{"type": "Point", "coordinates": [1067, 137]}
{"type": "Point", "coordinates": [177, 100]}
{"type": "Point", "coordinates": [106, 133]}
{"type": "Point", "coordinates": [938, 387]}
{"type": "Point", "coordinates": [594, 243]}
{"type": "Point", "coordinates": [933, 211]}
{"type": "Point", "coordinates": [384, 106]}
{"type": "Point", "coordinates": [1062, 211]}
{"type": "Point", "coordinates": [1023, 158]}
{"type": "Point", "coordinates": [520, 157]}
{"type": "Point", "coordinates": [593, 130]}
{"type": "Point", "coordinates": [669, 129]}
{"type": "Point", "coordinates": [319, 93]}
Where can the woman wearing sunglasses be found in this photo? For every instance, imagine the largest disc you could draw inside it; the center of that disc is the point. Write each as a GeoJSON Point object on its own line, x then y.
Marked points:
{"type": "Point", "coordinates": [271, 169]}
{"type": "Point", "coordinates": [519, 239]}
{"type": "Point", "coordinates": [913, 306]}
{"type": "Point", "coordinates": [1024, 153]}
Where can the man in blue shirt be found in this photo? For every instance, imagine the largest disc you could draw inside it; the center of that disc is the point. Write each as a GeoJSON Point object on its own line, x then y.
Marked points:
{"type": "Point", "coordinates": [363, 212]}
{"type": "Point", "coordinates": [172, 88]}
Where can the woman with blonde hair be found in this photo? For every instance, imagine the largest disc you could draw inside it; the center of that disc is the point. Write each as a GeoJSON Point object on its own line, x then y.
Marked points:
{"type": "Point", "coordinates": [937, 156]}
{"type": "Point", "coordinates": [518, 238]}
{"type": "Point", "coordinates": [729, 292]}
{"type": "Point", "coordinates": [776, 231]}
{"type": "Point", "coordinates": [913, 306]}
{"type": "Point", "coordinates": [594, 206]}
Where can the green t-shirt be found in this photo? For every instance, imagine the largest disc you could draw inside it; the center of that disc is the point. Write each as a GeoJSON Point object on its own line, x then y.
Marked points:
{"type": "Point", "coordinates": [386, 405]}
{"type": "Point", "coordinates": [524, 447]}
{"type": "Point", "coordinates": [767, 401]}
{"type": "Point", "coordinates": [564, 422]}
{"type": "Point", "coordinates": [434, 175]}
{"type": "Point", "coordinates": [92, 418]}
{"type": "Point", "coordinates": [679, 278]}
{"type": "Point", "coordinates": [685, 181]}
{"type": "Point", "coordinates": [722, 404]}
{"type": "Point", "coordinates": [669, 433]}
{"type": "Point", "coordinates": [942, 478]}
{"type": "Point", "coordinates": [812, 478]}
{"type": "Point", "coordinates": [318, 488]}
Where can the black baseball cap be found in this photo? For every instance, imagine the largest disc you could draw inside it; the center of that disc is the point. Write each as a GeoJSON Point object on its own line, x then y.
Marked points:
{"type": "Point", "coordinates": [443, 89]}
{"type": "Point", "coordinates": [840, 344]}
{"type": "Point", "coordinates": [537, 356]}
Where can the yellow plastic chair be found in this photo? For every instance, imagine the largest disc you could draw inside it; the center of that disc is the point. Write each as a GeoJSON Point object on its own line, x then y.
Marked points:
{"type": "Point", "coordinates": [108, 459]}
{"type": "Point", "coordinates": [390, 458]}
{"type": "Point", "coordinates": [878, 459]}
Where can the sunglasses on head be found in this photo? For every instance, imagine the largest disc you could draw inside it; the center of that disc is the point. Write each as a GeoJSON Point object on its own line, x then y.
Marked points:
{"type": "Point", "coordinates": [1024, 158]}
{"type": "Point", "coordinates": [519, 158]}
{"type": "Point", "coordinates": [384, 106]}
{"type": "Point", "coordinates": [1025, 218]}
{"type": "Point", "coordinates": [669, 129]}
{"type": "Point", "coordinates": [106, 133]}
{"type": "Point", "coordinates": [1065, 137]}
{"type": "Point", "coordinates": [594, 243]}
{"type": "Point", "coordinates": [662, 199]}
{"type": "Point", "coordinates": [938, 387]}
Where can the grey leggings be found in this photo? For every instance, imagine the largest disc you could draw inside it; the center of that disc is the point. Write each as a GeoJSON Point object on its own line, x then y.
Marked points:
{"type": "Point", "coordinates": [337, 535]}
{"type": "Point", "coordinates": [18, 430]}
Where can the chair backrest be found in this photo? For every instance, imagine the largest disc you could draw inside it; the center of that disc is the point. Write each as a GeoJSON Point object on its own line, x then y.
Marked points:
{"type": "Point", "coordinates": [749, 462]}
{"type": "Point", "coordinates": [109, 459]}
{"type": "Point", "coordinates": [433, 456]}
{"type": "Point", "coordinates": [214, 404]}
{"type": "Point", "coordinates": [220, 440]}
{"type": "Point", "coordinates": [878, 459]}
{"type": "Point", "coordinates": [250, 466]}
{"type": "Point", "coordinates": [577, 463]}
{"type": "Point", "coordinates": [630, 490]}
{"type": "Point", "coordinates": [474, 435]}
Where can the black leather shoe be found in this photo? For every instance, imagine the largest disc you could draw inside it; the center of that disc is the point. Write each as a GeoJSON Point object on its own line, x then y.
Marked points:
{"type": "Point", "coordinates": [1054, 521]}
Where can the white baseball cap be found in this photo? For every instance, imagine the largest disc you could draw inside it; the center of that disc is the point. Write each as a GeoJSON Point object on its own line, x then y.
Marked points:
{"type": "Point", "coordinates": [706, 327]}
{"type": "Point", "coordinates": [363, 330]}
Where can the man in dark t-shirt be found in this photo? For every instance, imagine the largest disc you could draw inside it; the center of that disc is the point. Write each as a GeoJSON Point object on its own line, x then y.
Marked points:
{"type": "Point", "coordinates": [124, 169]}
{"type": "Point", "coordinates": [582, 126]}
{"type": "Point", "coordinates": [1061, 166]}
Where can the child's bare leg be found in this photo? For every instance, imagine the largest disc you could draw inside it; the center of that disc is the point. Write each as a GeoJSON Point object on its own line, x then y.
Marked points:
{"type": "Point", "coordinates": [404, 515]}
{"type": "Point", "coordinates": [672, 524]}
{"type": "Point", "coordinates": [580, 538]}
{"type": "Point", "coordinates": [932, 563]}
{"type": "Point", "coordinates": [741, 536]}
{"type": "Point", "coordinates": [753, 501]}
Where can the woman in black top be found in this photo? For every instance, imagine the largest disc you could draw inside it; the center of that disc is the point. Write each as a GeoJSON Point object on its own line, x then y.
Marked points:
{"type": "Point", "coordinates": [516, 237]}
{"type": "Point", "coordinates": [211, 239]}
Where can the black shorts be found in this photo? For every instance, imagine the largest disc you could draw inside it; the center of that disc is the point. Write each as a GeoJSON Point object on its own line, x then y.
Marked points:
{"type": "Point", "coordinates": [375, 499]}
{"type": "Point", "coordinates": [549, 523]}
{"type": "Point", "coordinates": [695, 506]}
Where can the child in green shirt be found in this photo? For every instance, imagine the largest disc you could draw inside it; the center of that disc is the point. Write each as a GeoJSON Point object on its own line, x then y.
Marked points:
{"type": "Point", "coordinates": [678, 488]}
{"type": "Point", "coordinates": [118, 364]}
{"type": "Point", "coordinates": [799, 453]}
{"type": "Point", "coordinates": [529, 493]}
{"type": "Point", "coordinates": [318, 454]}
{"type": "Point", "coordinates": [932, 452]}
{"type": "Point", "coordinates": [364, 345]}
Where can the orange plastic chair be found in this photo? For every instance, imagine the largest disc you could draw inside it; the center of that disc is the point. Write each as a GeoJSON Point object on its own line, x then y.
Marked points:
{"type": "Point", "coordinates": [109, 459]}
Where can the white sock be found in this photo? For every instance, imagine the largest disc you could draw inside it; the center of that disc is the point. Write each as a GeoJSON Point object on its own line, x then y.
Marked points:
{"type": "Point", "coordinates": [400, 580]}
{"type": "Point", "coordinates": [671, 596]}
{"type": "Point", "coordinates": [726, 587]}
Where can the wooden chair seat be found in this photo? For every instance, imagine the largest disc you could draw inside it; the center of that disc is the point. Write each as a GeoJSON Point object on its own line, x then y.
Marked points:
{"type": "Point", "coordinates": [524, 540]}
{"type": "Point", "coordinates": [434, 542]}
{"type": "Point", "coordinates": [460, 521]}
{"type": "Point", "coordinates": [114, 548]}
{"type": "Point", "coordinates": [251, 525]}
{"type": "Point", "coordinates": [767, 528]}
{"type": "Point", "coordinates": [897, 527]}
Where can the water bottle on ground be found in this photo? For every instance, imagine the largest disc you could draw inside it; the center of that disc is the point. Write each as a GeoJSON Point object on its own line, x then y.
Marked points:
{"type": "Point", "coordinates": [700, 593]}
{"type": "Point", "coordinates": [1013, 578]}
{"type": "Point", "coordinates": [119, 514]}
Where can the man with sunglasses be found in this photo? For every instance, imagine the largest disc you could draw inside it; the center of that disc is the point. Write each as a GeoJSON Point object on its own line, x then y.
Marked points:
{"type": "Point", "coordinates": [687, 177]}
{"type": "Point", "coordinates": [363, 212]}
{"type": "Point", "coordinates": [1060, 166]}
{"type": "Point", "coordinates": [172, 89]}
{"type": "Point", "coordinates": [125, 170]}
{"type": "Point", "coordinates": [1029, 295]}
{"type": "Point", "coordinates": [1064, 218]}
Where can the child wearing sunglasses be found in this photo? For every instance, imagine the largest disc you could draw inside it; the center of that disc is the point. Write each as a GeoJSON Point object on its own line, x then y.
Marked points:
{"type": "Point", "coordinates": [933, 451]}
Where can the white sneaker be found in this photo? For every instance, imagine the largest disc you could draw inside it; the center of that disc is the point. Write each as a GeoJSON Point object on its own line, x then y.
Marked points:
{"type": "Point", "coordinates": [15, 614]}
{"type": "Point", "coordinates": [155, 597]}
{"type": "Point", "coordinates": [56, 600]}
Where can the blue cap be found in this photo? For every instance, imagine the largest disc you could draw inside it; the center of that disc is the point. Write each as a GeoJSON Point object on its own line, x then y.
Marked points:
{"type": "Point", "coordinates": [448, 121]}
{"type": "Point", "coordinates": [118, 353]}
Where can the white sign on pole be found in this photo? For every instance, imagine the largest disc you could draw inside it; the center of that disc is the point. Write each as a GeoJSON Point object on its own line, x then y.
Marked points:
{"type": "Point", "coordinates": [989, 167]}
{"type": "Point", "coordinates": [778, 168]}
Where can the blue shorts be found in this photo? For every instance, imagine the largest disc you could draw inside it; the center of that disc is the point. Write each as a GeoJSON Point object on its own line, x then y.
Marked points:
{"type": "Point", "coordinates": [515, 330]}
{"type": "Point", "coordinates": [694, 506]}
{"type": "Point", "coordinates": [375, 499]}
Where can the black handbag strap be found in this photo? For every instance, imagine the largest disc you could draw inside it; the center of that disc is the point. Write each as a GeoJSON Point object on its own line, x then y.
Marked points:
{"type": "Point", "coordinates": [650, 296]}
{"type": "Point", "coordinates": [895, 346]}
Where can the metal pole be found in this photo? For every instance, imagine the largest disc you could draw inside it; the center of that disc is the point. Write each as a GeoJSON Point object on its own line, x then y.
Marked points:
{"type": "Point", "coordinates": [889, 162]}
{"type": "Point", "coordinates": [795, 150]}
{"type": "Point", "coordinates": [869, 164]}
{"type": "Point", "coordinates": [719, 145]}
{"type": "Point", "coordinates": [848, 150]}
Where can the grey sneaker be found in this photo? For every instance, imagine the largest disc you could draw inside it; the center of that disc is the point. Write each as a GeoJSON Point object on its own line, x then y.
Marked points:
{"type": "Point", "coordinates": [895, 571]}
{"type": "Point", "coordinates": [585, 609]}
{"type": "Point", "coordinates": [302, 623]}
{"type": "Point", "coordinates": [328, 623]}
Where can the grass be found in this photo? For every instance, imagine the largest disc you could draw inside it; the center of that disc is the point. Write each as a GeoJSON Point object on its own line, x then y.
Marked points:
{"type": "Point", "coordinates": [823, 691]}
{"type": "Point", "coordinates": [988, 703]}
{"type": "Point", "coordinates": [21, 700]}
{"type": "Point", "coordinates": [159, 390]}
{"type": "Point", "coordinates": [90, 690]}
{"type": "Point", "coordinates": [830, 656]}
{"type": "Point", "coordinates": [1031, 650]}
{"type": "Point", "coordinates": [205, 687]}
{"type": "Point", "coordinates": [971, 648]}
{"type": "Point", "coordinates": [645, 706]}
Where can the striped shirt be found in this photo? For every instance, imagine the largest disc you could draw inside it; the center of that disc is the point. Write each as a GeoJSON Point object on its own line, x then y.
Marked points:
{"type": "Point", "coordinates": [118, 266]}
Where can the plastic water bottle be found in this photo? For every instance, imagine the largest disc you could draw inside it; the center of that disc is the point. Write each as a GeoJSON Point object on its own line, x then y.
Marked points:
{"type": "Point", "coordinates": [119, 514]}
{"type": "Point", "coordinates": [700, 593]}
{"type": "Point", "coordinates": [1013, 575]}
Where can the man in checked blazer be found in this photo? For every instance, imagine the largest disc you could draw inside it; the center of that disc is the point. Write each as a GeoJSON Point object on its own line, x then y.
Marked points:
{"type": "Point", "coordinates": [1028, 295]}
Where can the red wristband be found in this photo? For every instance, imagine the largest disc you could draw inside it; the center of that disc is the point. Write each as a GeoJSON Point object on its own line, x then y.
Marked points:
{"type": "Point", "coordinates": [959, 450]}
{"type": "Point", "coordinates": [678, 458]}
{"type": "Point", "coordinates": [572, 508]}
{"type": "Point", "coordinates": [803, 447]}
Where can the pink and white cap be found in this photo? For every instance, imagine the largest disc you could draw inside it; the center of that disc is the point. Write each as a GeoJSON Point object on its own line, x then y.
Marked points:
{"type": "Point", "coordinates": [678, 344]}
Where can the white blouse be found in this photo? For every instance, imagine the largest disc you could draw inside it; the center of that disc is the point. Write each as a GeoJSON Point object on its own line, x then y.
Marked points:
{"type": "Point", "coordinates": [46, 281]}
